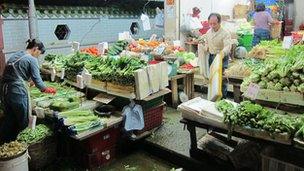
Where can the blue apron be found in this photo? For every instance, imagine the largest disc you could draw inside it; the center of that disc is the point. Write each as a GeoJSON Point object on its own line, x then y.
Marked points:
{"type": "Point", "coordinates": [17, 107]}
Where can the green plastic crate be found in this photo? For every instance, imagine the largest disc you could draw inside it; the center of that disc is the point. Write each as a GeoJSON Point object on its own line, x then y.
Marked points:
{"type": "Point", "coordinates": [245, 40]}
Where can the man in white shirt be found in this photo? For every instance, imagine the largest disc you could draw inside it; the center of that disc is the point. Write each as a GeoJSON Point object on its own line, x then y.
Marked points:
{"type": "Point", "coordinates": [218, 39]}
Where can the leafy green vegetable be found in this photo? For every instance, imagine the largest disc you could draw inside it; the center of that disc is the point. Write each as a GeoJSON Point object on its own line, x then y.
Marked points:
{"type": "Point", "coordinates": [255, 116]}
{"type": "Point", "coordinates": [32, 136]}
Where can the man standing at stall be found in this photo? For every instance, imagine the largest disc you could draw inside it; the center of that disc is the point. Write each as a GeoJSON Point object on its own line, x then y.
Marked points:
{"type": "Point", "coordinates": [217, 39]}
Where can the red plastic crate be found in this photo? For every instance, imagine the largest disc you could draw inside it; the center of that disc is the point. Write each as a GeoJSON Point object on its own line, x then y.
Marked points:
{"type": "Point", "coordinates": [101, 141]}
{"type": "Point", "coordinates": [153, 118]}
{"type": "Point", "coordinates": [98, 158]}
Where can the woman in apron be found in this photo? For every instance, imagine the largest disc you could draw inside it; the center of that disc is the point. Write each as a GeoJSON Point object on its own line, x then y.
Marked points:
{"type": "Point", "coordinates": [20, 68]}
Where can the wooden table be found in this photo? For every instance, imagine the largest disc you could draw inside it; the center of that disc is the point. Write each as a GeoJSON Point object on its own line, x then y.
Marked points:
{"type": "Point", "coordinates": [188, 82]}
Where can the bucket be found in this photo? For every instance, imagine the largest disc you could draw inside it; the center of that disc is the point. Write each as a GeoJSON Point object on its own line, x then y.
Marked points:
{"type": "Point", "coordinates": [16, 164]}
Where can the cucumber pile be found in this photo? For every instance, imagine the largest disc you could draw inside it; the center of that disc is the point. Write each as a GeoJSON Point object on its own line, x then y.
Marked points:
{"type": "Point", "coordinates": [117, 47]}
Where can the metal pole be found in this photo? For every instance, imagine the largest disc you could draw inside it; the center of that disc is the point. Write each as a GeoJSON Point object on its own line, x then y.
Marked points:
{"type": "Point", "coordinates": [32, 20]}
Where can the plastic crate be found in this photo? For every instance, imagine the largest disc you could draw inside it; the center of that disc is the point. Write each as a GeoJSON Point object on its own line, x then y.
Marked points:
{"type": "Point", "coordinates": [246, 40]}
{"type": "Point", "coordinates": [280, 159]}
{"type": "Point", "coordinates": [100, 141]}
{"type": "Point", "coordinates": [98, 158]}
{"type": "Point", "coordinates": [152, 103]}
{"type": "Point", "coordinates": [153, 118]}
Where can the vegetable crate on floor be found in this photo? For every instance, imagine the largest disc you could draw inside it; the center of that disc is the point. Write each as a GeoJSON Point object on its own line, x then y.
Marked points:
{"type": "Point", "coordinates": [153, 118]}
{"type": "Point", "coordinates": [98, 150]}
{"type": "Point", "coordinates": [42, 153]}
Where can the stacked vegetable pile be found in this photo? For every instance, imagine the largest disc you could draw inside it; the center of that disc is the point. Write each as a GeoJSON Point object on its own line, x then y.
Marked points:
{"type": "Point", "coordinates": [115, 70]}
{"type": "Point", "coordinates": [117, 47]}
{"type": "Point", "coordinates": [91, 51]}
{"type": "Point", "coordinates": [267, 49]}
{"type": "Point", "coordinates": [54, 61]}
{"type": "Point", "coordinates": [285, 73]}
{"type": "Point", "coordinates": [75, 65]}
{"type": "Point", "coordinates": [255, 116]}
{"type": "Point", "coordinates": [12, 149]}
{"type": "Point", "coordinates": [79, 120]}
{"type": "Point", "coordinates": [32, 136]}
{"type": "Point", "coordinates": [66, 98]}
{"type": "Point", "coordinates": [243, 68]}
{"type": "Point", "coordinates": [142, 46]}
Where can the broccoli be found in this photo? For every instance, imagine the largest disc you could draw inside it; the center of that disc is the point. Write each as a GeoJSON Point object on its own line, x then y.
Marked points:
{"type": "Point", "coordinates": [296, 74]}
{"type": "Point", "coordinates": [270, 85]}
{"type": "Point", "coordinates": [286, 89]}
{"type": "Point", "coordinates": [293, 88]}
{"type": "Point", "coordinates": [278, 86]}
{"type": "Point", "coordinates": [255, 78]}
{"type": "Point", "coordinates": [263, 84]}
{"type": "Point", "coordinates": [301, 88]}
{"type": "Point", "coordinates": [297, 82]}
{"type": "Point", "coordinates": [285, 81]}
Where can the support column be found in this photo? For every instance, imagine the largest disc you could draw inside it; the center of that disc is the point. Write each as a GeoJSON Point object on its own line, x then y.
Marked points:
{"type": "Point", "coordinates": [32, 17]}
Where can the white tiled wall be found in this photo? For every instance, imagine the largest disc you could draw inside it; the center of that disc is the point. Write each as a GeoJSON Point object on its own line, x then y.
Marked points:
{"type": "Point", "coordinates": [91, 31]}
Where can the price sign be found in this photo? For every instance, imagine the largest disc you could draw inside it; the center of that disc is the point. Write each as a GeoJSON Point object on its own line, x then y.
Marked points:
{"type": "Point", "coordinates": [252, 91]}
{"type": "Point", "coordinates": [53, 74]}
{"type": "Point", "coordinates": [62, 74]}
{"type": "Point", "coordinates": [80, 82]}
{"type": "Point", "coordinates": [75, 46]}
{"type": "Point", "coordinates": [287, 42]}
{"type": "Point", "coordinates": [177, 43]}
{"type": "Point", "coordinates": [32, 122]}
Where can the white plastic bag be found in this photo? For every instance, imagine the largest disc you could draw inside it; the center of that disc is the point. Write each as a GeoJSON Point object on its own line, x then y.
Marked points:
{"type": "Point", "coordinates": [203, 61]}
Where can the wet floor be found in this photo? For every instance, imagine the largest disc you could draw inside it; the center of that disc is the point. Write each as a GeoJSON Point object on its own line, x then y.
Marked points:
{"type": "Point", "coordinates": [172, 135]}
{"type": "Point", "coordinates": [139, 161]}
{"type": "Point", "coordinates": [136, 161]}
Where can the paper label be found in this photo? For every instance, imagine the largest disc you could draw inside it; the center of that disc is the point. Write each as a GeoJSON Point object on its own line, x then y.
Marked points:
{"type": "Point", "coordinates": [153, 37]}
{"type": "Point", "coordinates": [39, 112]}
{"type": "Point", "coordinates": [176, 43]}
{"type": "Point", "coordinates": [75, 46]}
{"type": "Point", "coordinates": [87, 78]}
{"type": "Point", "coordinates": [80, 82]}
{"type": "Point", "coordinates": [160, 49]}
{"type": "Point", "coordinates": [146, 22]}
{"type": "Point", "coordinates": [53, 74]}
{"type": "Point", "coordinates": [62, 74]}
{"type": "Point", "coordinates": [287, 42]}
{"type": "Point", "coordinates": [102, 47]}
{"type": "Point", "coordinates": [252, 91]}
{"type": "Point", "coordinates": [32, 122]}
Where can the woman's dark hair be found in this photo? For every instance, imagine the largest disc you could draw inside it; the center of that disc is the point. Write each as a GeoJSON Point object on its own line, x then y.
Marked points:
{"type": "Point", "coordinates": [217, 15]}
{"type": "Point", "coordinates": [260, 7]}
{"type": "Point", "coordinates": [35, 43]}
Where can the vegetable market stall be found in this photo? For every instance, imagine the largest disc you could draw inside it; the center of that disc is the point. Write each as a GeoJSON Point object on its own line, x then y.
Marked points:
{"type": "Point", "coordinates": [281, 78]}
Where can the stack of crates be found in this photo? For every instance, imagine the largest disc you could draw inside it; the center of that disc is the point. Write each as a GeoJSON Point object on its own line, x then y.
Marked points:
{"type": "Point", "coordinates": [97, 150]}
{"type": "Point", "coordinates": [153, 114]}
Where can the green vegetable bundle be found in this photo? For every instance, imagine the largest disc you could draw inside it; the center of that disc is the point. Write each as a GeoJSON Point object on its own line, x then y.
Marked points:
{"type": "Point", "coordinates": [32, 136]}
{"type": "Point", "coordinates": [119, 70]}
{"type": "Point", "coordinates": [255, 116]}
{"type": "Point", "coordinates": [117, 47]}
